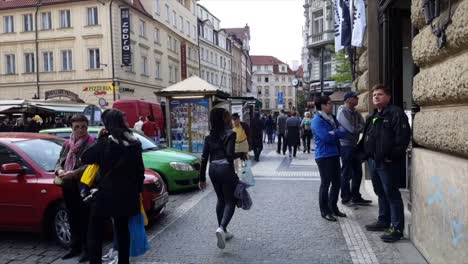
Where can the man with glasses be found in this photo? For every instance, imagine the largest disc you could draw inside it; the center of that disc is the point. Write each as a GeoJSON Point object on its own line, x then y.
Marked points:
{"type": "Point", "coordinates": [69, 169]}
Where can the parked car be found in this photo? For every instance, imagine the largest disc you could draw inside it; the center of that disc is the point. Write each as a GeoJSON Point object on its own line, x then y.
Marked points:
{"type": "Point", "coordinates": [180, 170]}
{"type": "Point", "coordinates": [29, 199]}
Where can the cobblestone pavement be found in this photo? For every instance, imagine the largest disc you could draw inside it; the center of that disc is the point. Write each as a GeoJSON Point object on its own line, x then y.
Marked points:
{"type": "Point", "coordinates": [283, 226]}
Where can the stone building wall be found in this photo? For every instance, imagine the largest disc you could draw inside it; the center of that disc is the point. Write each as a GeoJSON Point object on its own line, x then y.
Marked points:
{"type": "Point", "coordinates": [440, 164]}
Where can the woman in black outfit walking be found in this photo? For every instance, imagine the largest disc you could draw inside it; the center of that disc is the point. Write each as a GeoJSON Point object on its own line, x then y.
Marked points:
{"type": "Point", "coordinates": [118, 153]}
{"type": "Point", "coordinates": [219, 150]}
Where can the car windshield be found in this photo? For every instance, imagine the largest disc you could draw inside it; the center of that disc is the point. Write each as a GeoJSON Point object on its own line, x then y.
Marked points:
{"type": "Point", "coordinates": [44, 152]}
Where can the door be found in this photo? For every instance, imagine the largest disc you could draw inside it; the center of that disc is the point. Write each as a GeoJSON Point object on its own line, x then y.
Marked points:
{"type": "Point", "coordinates": [17, 194]}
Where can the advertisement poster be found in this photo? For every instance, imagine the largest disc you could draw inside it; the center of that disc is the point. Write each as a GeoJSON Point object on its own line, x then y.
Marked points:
{"type": "Point", "coordinates": [189, 124]}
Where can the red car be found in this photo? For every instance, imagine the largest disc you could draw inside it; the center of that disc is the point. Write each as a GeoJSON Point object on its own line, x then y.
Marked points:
{"type": "Point", "coordinates": [29, 200]}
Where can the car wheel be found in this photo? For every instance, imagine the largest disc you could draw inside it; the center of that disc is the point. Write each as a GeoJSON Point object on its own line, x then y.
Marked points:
{"type": "Point", "coordinates": [61, 225]}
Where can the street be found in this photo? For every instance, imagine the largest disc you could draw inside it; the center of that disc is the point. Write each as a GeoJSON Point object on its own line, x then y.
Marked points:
{"type": "Point", "coordinates": [283, 226]}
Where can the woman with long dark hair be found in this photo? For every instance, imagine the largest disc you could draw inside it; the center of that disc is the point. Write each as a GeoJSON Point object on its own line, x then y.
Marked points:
{"type": "Point", "coordinates": [219, 149]}
{"type": "Point", "coordinates": [119, 155]}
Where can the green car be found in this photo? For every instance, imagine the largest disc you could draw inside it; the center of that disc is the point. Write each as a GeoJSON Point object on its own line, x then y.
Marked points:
{"type": "Point", "coordinates": [179, 170]}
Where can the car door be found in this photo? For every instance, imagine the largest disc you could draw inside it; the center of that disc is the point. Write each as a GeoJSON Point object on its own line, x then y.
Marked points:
{"type": "Point", "coordinates": [17, 194]}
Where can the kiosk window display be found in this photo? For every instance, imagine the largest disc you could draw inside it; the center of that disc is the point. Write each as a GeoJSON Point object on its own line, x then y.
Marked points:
{"type": "Point", "coordinates": [189, 124]}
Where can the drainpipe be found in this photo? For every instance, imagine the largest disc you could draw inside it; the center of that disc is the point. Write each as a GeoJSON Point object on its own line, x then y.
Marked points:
{"type": "Point", "coordinates": [112, 50]}
{"type": "Point", "coordinates": [38, 4]}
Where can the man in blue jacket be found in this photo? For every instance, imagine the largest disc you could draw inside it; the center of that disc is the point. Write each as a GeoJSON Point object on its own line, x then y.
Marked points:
{"type": "Point", "coordinates": [327, 155]}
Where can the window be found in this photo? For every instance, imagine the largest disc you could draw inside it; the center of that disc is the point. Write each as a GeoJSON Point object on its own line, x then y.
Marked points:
{"type": "Point", "coordinates": [212, 77]}
{"type": "Point", "coordinates": [94, 59]}
{"type": "Point", "coordinates": [202, 53]}
{"type": "Point", "coordinates": [157, 36]}
{"type": "Point", "coordinates": [266, 79]}
{"type": "Point", "coordinates": [29, 65]}
{"type": "Point", "coordinates": [203, 74]}
{"type": "Point", "coordinates": [142, 28]}
{"type": "Point", "coordinates": [259, 90]}
{"type": "Point", "coordinates": [46, 18]}
{"type": "Point", "coordinates": [92, 16]}
{"type": "Point", "coordinates": [157, 7]}
{"type": "Point", "coordinates": [48, 61]}
{"type": "Point", "coordinates": [65, 19]}
{"type": "Point", "coordinates": [144, 62]}
{"type": "Point", "coordinates": [267, 103]}
{"type": "Point", "coordinates": [28, 23]}
{"type": "Point", "coordinates": [216, 60]}
{"type": "Point", "coordinates": [317, 26]}
{"type": "Point", "coordinates": [194, 32]}
{"type": "Point", "coordinates": [259, 78]}
{"type": "Point", "coordinates": [10, 64]}
{"type": "Point", "coordinates": [211, 56]}
{"type": "Point", "coordinates": [187, 28]}
{"type": "Point", "coordinates": [189, 53]}
{"type": "Point", "coordinates": [8, 156]}
{"type": "Point", "coordinates": [174, 19]}
{"type": "Point", "coordinates": [327, 66]}
{"type": "Point", "coordinates": [283, 79]}
{"type": "Point", "coordinates": [158, 70]}
{"type": "Point", "coordinates": [167, 12]}
{"type": "Point", "coordinates": [171, 74]}
{"type": "Point", "coordinates": [169, 42]}
{"type": "Point", "coordinates": [267, 91]}
{"type": "Point", "coordinates": [174, 45]}
{"type": "Point", "coordinates": [8, 23]}
{"type": "Point", "coordinates": [67, 60]}
{"type": "Point", "coordinates": [181, 21]}
{"type": "Point", "coordinates": [176, 74]}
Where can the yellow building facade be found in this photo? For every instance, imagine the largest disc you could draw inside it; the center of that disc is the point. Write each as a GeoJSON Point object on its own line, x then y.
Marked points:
{"type": "Point", "coordinates": [68, 50]}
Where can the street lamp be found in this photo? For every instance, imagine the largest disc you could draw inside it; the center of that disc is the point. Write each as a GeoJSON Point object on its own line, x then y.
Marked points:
{"type": "Point", "coordinates": [329, 48]}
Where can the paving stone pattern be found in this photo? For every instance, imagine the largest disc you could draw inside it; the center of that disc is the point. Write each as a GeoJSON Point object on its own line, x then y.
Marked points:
{"type": "Point", "coordinates": [283, 226]}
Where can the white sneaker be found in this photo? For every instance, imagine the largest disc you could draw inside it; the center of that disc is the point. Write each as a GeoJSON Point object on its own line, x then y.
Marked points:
{"type": "Point", "coordinates": [110, 255]}
{"type": "Point", "coordinates": [228, 235]}
{"type": "Point", "coordinates": [221, 237]}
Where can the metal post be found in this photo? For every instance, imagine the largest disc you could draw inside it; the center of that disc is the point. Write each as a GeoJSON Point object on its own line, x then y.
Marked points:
{"type": "Point", "coordinates": [321, 70]}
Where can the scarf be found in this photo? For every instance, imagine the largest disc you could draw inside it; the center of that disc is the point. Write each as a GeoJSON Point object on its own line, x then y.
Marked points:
{"type": "Point", "coordinates": [328, 118]}
{"type": "Point", "coordinates": [74, 145]}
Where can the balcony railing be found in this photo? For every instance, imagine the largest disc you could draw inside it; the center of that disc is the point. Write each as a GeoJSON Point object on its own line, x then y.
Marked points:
{"type": "Point", "coordinates": [321, 38]}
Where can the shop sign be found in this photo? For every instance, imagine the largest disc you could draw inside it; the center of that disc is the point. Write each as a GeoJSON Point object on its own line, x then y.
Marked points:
{"type": "Point", "coordinates": [61, 93]}
{"type": "Point", "coordinates": [126, 43]}
{"type": "Point", "coordinates": [183, 59]}
{"type": "Point", "coordinates": [126, 90]}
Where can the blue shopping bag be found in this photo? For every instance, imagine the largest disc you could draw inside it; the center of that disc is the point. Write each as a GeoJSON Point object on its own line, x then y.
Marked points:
{"type": "Point", "coordinates": [246, 173]}
{"type": "Point", "coordinates": [138, 240]}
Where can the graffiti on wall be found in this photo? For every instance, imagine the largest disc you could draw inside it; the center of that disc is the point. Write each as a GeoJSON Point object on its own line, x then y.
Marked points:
{"type": "Point", "coordinates": [450, 202]}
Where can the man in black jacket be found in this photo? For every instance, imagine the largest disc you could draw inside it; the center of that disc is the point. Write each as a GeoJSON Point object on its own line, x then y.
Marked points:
{"type": "Point", "coordinates": [386, 137]}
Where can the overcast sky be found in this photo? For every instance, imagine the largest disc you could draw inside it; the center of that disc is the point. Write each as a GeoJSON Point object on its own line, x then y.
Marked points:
{"type": "Point", "coordinates": [275, 25]}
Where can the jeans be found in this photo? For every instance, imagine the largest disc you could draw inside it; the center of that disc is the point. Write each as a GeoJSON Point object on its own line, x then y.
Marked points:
{"type": "Point", "coordinates": [79, 215]}
{"type": "Point", "coordinates": [351, 170]}
{"type": "Point", "coordinates": [224, 180]}
{"type": "Point", "coordinates": [307, 137]}
{"type": "Point", "coordinates": [281, 140]}
{"type": "Point", "coordinates": [97, 225]}
{"type": "Point", "coordinates": [385, 181]}
{"type": "Point", "coordinates": [329, 169]}
{"type": "Point", "coordinates": [292, 150]}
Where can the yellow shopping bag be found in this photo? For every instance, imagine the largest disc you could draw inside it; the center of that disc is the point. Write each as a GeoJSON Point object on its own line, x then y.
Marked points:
{"type": "Point", "coordinates": [142, 210]}
{"type": "Point", "coordinates": [89, 175]}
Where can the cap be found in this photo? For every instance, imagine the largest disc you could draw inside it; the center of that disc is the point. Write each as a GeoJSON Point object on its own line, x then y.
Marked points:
{"type": "Point", "coordinates": [350, 94]}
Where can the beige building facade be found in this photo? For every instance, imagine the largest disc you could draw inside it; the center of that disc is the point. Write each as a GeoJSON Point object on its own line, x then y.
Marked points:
{"type": "Point", "coordinates": [76, 55]}
{"type": "Point", "coordinates": [428, 77]}
{"type": "Point", "coordinates": [270, 78]}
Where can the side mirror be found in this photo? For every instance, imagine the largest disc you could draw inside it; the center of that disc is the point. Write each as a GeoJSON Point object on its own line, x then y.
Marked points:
{"type": "Point", "coordinates": [12, 168]}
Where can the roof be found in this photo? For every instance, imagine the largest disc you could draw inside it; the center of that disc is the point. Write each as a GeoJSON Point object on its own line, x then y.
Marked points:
{"type": "Point", "coordinates": [194, 84]}
{"type": "Point", "coordinates": [33, 3]}
{"type": "Point", "coordinates": [18, 136]}
{"type": "Point", "coordinates": [239, 33]}
{"type": "Point", "coordinates": [265, 60]}
{"type": "Point", "coordinates": [300, 72]}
